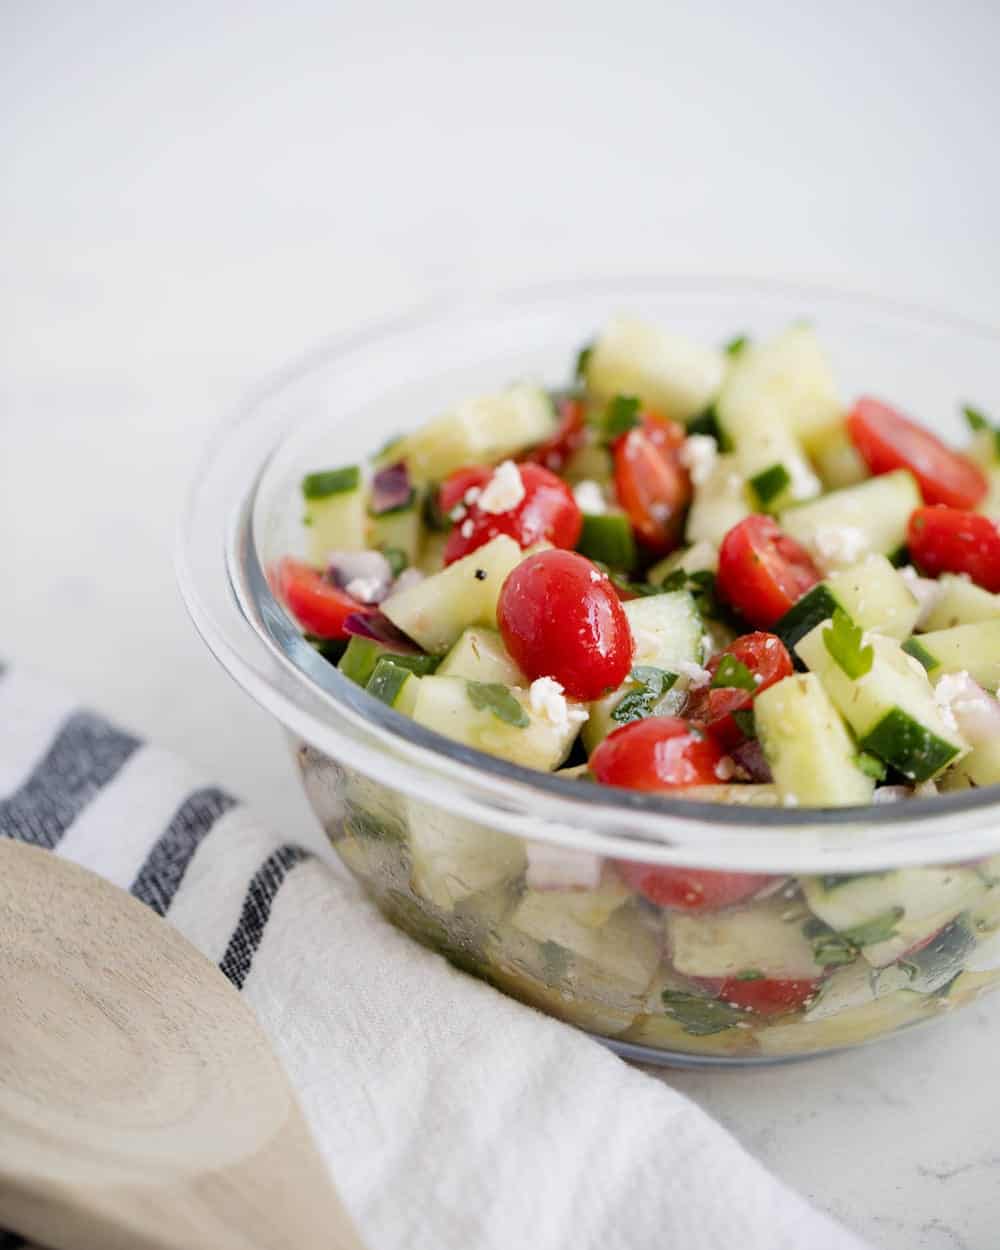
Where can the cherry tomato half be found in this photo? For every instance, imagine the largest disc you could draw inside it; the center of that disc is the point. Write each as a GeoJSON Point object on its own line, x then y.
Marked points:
{"type": "Point", "coordinates": [887, 440]}
{"type": "Point", "coordinates": [690, 889]}
{"type": "Point", "coordinates": [762, 571]}
{"type": "Point", "coordinates": [767, 659]}
{"type": "Point", "coordinates": [555, 451]}
{"type": "Point", "coordinates": [547, 511]}
{"type": "Point", "coordinates": [560, 617]}
{"type": "Point", "coordinates": [651, 483]}
{"type": "Point", "coordinates": [947, 540]}
{"type": "Point", "coordinates": [657, 753]}
{"type": "Point", "coordinates": [452, 490]}
{"type": "Point", "coordinates": [765, 996]}
{"type": "Point", "coordinates": [319, 607]}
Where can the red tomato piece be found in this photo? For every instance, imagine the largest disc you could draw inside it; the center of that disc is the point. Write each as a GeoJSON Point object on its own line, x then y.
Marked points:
{"type": "Point", "coordinates": [555, 451]}
{"type": "Point", "coordinates": [765, 996]}
{"type": "Point", "coordinates": [657, 753]}
{"type": "Point", "coordinates": [946, 540]}
{"type": "Point", "coordinates": [560, 617]}
{"type": "Point", "coordinates": [887, 440]}
{"type": "Point", "coordinates": [762, 571]}
{"type": "Point", "coordinates": [690, 889]}
{"type": "Point", "coordinates": [547, 511]}
{"type": "Point", "coordinates": [651, 483]}
{"type": "Point", "coordinates": [767, 659]}
{"type": "Point", "coordinates": [452, 490]}
{"type": "Point", "coordinates": [319, 607]}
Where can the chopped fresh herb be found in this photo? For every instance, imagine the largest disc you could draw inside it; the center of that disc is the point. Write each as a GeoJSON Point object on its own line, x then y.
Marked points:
{"type": "Point", "coordinates": [871, 765]}
{"type": "Point", "coordinates": [900, 557]}
{"type": "Point", "coordinates": [750, 974]}
{"type": "Point", "coordinates": [914, 647]}
{"type": "Point", "coordinates": [653, 685]}
{"type": "Point", "coordinates": [329, 648]}
{"type": "Point", "coordinates": [733, 673]}
{"type": "Point", "coordinates": [830, 949]}
{"type": "Point", "coordinates": [701, 585]}
{"type": "Point", "coordinates": [307, 519]}
{"type": "Point", "coordinates": [431, 513]}
{"type": "Point", "coordinates": [699, 1016]}
{"type": "Point", "coordinates": [736, 345]}
{"type": "Point", "coordinates": [843, 640]}
{"type": "Point", "coordinates": [398, 559]}
{"type": "Point", "coordinates": [745, 721]}
{"type": "Point", "coordinates": [620, 416]}
{"type": "Point", "coordinates": [976, 419]}
{"type": "Point", "coordinates": [582, 361]}
{"type": "Point", "coordinates": [880, 929]}
{"type": "Point", "coordinates": [770, 483]}
{"type": "Point", "coordinates": [331, 482]}
{"type": "Point", "coordinates": [707, 422]}
{"type": "Point", "coordinates": [492, 696]}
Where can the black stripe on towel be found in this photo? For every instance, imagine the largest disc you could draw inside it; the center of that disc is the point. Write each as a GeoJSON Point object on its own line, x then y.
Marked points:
{"type": "Point", "coordinates": [160, 876]}
{"type": "Point", "coordinates": [261, 893]}
{"type": "Point", "coordinates": [84, 756]}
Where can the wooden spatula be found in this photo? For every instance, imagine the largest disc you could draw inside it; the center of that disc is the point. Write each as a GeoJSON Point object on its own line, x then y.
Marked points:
{"type": "Point", "coordinates": [141, 1107]}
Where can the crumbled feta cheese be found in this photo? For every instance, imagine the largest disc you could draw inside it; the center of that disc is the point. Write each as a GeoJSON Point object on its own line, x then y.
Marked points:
{"type": "Point", "coordinates": [589, 497]}
{"type": "Point", "coordinates": [725, 770]}
{"type": "Point", "coordinates": [837, 546]}
{"type": "Point", "coordinates": [949, 694]}
{"type": "Point", "coordinates": [548, 701]}
{"type": "Point", "coordinates": [458, 512]}
{"type": "Point", "coordinates": [367, 589]}
{"type": "Point", "coordinates": [503, 491]}
{"type": "Point", "coordinates": [707, 646]}
{"type": "Point", "coordinates": [698, 454]}
{"type": "Point", "coordinates": [696, 675]}
{"type": "Point", "coordinates": [925, 590]}
{"type": "Point", "coordinates": [467, 528]}
{"type": "Point", "coordinates": [803, 483]}
{"type": "Point", "coordinates": [596, 575]}
{"type": "Point", "coordinates": [472, 494]}
{"type": "Point", "coordinates": [647, 644]}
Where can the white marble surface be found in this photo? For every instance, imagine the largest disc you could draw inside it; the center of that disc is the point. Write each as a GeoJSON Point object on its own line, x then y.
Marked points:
{"type": "Point", "coordinates": [193, 193]}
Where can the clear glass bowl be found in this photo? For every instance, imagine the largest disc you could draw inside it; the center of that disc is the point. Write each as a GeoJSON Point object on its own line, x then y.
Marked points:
{"type": "Point", "coordinates": [892, 910]}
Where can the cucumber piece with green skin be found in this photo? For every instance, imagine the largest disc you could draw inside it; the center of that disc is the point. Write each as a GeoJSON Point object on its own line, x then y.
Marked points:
{"type": "Point", "coordinates": [479, 431]}
{"type": "Point", "coordinates": [700, 557]}
{"type": "Point", "coordinates": [394, 685]}
{"type": "Point", "coordinates": [668, 634]}
{"type": "Point", "coordinates": [436, 611]}
{"type": "Point", "coordinates": [363, 654]}
{"type": "Point", "coordinates": [974, 649]}
{"type": "Point", "coordinates": [452, 858]}
{"type": "Point", "coordinates": [335, 512]}
{"type": "Point", "coordinates": [961, 602]}
{"type": "Point", "coordinates": [877, 511]}
{"type": "Point", "coordinates": [444, 704]}
{"type": "Point", "coordinates": [887, 914]}
{"type": "Point", "coordinates": [719, 503]}
{"type": "Point", "coordinates": [399, 530]}
{"type": "Point", "coordinates": [812, 756]}
{"type": "Point", "coordinates": [608, 538]}
{"type": "Point", "coordinates": [981, 767]}
{"type": "Point", "coordinates": [891, 708]}
{"type": "Point", "coordinates": [838, 462]}
{"type": "Point", "coordinates": [671, 375]}
{"type": "Point", "coordinates": [765, 936]}
{"type": "Point", "coordinates": [590, 463]}
{"type": "Point", "coordinates": [873, 594]}
{"type": "Point", "coordinates": [479, 655]}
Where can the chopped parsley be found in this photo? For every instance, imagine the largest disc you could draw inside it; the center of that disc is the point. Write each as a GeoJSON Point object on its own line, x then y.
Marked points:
{"type": "Point", "coordinates": [493, 696]}
{"type": "Point", "coordinates": [653, 685]}
{"type": "Point", "coordinates": [582, 361]}
{"type": "Point", "coordinates": [733, 673]}
{"type": "Point", "coordinates": [843, 640]}
{"type": "Point", "coordinates": [736, 345]}
{"type": "Point", "coordinates": [620, 416]}
{"type": "Point", "coordinates": [699, 1016]}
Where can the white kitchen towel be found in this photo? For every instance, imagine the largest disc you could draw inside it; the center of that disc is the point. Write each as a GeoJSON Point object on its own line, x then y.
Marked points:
{"type": "Point", "coordinates": [453, 1118]}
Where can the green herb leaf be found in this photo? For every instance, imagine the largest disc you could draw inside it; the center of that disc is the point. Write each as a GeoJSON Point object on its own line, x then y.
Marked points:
{"type": "Point", "coordinates": [770, 483]}
{"type": "Point", "coordinates": [736, 345]}
{"type": "Point", "coordinates": [843, 641]}
{"type": "Point", "coordinates": [871, 765]}
{"type": "Point", "coordinates": [494, 697]}
{"type": "Point", "coordinates": [700, 584]}
{"type": "Point", "coordinates": [745, 721]}
{"type": "Point", "coordinates": [707, 422]}
{"type": "Point", "coordinates": [398, 559]}
{"type": "Point", "coordinates": [914, 647]}
{"type": "Point", "coordinates": [699, 1016]}
{"type": "Point", "coordinates": [620, 416]}
{"type": "Point", "coordinates": [331, 482]}
{"type": "Point", "coordinates": [880, 929]}
{"type": "Point", "coordinates": [582, 361]}
{"type": "Point", "coordinates": [830, 949]}
{"type": "Point", "coordinates": [976, 419]}
{"type": "Point", "coordinates": [750, 974]}
{"type": "Point", "coordinates": [653, 685]}
{"type": "Point", "coordinates": [733, 673]}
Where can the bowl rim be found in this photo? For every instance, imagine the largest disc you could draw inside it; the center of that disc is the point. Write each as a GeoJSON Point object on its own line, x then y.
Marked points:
{"type": "Point", "coordinates": [317, 703]}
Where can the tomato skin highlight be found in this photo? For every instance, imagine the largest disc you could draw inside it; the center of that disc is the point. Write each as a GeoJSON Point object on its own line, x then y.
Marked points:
{"type": "Point", "coordinates": [767, 658]}
{"type": "Point", "coordinates": [887, 440]}
{"type": "Point", "coordinates": [547, 512]}
{"type": "Point", "coordinates": [651, 483]}
{"type": "Point", "coordinates": [556, 451]}
{"type": "Point", "coordinates": [560, 617]}
{"type": "Point", "coordinates": [690, 889]}
{"type": "Point", "coordinates": [767, 997]}
{"type": "Point", "coordinates": [763, 572]}
{"type": "Point", "coordinates": [319, 607]}
{"type": "Point", "coordinates": [657, 753]}
{"type": "Point", "coordinates": [948, 540]}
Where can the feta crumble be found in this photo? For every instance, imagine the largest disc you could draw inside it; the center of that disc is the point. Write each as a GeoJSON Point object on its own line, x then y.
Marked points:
{"type": "Point", "coordinates": [503, 491]}
{"type": "Point", "coordinates": [697, 676]}
{"type": "Point", "coordinates": [547, 701]}
{"type": "Point", "coordinates": [950, 692]}
{"type": "Point", "coordinates": [923, 589]}
{"type": "Point", "coordinates": [647, 644]}
{"type": "Point", "coordinates": [367, 589]}
{"type": "Point", "coordinates": [725, 770]}
{"type": "Point", "coordinates": [837, 546]}
{"type": "Point", "coordinates": [467, 528]}
{"type": "Point", "coordinates": [803, 483]}
{"type": "Point", "coordinates": [589, 497]}
{"type": "Point", "coordinates": [698, 454]}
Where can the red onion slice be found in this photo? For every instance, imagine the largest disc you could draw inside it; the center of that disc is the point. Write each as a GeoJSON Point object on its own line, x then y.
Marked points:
{"type": "Point", "coordinates": [378, 627]}
{"type": "Point", "coordinates": [391, 488]}
{"type": "Point", "coordinates": [750, 757]}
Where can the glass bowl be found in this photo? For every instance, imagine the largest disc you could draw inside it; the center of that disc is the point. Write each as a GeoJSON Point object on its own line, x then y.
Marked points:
{"type": "Point", "coordinates": [784, 932]}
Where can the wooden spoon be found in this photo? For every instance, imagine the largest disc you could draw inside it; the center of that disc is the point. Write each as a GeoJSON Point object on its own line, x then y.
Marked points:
{"type": "Point", "coordinates": [141, 1107]}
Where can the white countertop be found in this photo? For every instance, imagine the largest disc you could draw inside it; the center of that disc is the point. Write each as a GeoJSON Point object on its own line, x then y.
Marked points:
{"type": "Point", "coordinates": [191, 197]}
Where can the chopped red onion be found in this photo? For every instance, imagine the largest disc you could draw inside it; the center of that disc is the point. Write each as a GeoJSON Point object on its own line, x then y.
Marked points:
{"type": "Point", "coordinates": [378, 627]}
{"type": "Point", "coordinates": [750, 757]}
{"type": "Point", "coordinates": [365, 575]}
{"type": "Point", "coordinates": [391, 488]}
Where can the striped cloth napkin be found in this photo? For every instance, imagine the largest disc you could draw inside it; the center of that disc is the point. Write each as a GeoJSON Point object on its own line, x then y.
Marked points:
{"type": "Point", "coordinates": [452, 1117]}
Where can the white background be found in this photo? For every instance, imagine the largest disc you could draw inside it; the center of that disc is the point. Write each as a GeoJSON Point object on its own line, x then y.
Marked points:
{"type": "Point", "coordinates": [191, 194]}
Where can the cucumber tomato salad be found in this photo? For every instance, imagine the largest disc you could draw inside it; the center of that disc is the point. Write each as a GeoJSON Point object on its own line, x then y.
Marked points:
{"type": "Point", "coordinates": [694, 570]}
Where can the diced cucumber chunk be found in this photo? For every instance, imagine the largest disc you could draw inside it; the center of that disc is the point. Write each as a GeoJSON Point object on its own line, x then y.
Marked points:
{"type": "Point", "coordinates": [328, 482]}
{"type": "Point", "coordinates": [444, 704]}
{"type": "Point", "coordinates": [719, 503]}
{"type": "Point", "coordinates": [608, 538]}
{"type": "Point", "coordinates": [436, 610]}
{"type": "Point", "coordinates": [891, 708]}
{"type": "Point", "coordinates": [765, 937]}
{"type": "Point", "coordinates": [981, 767]}
{"type": "Point", "coordinates": [479, 655]}
{"type": "Point", "coordinates": [335, 512]}
{"type": "Point", "coordinates": [849, 1027]}
{"type": "Point", "coordinates": [816, 606]}
{"type": "Point", "coordinates": [874, 514]}
{"type": "Point", "coordinates": [397, 686]}
{"type": "Point", "coordinates": [452, 858]}
{"type": "Point", "coordinates": [887, 914]}
{"type": "Point", "coordinates": [961, 602]}
{"type": "Point", "coordinates": [670, 374]}
{"type": "Point", "coordinates": [974, 649]}
{"type": "Point", "coordinates": [479, 431]}
{"type": "Point", "coordinates": [399, 530]}
{"type": "Point", "coordinates": [812, 756]}
{"type": "Point", "coordinates": [363, 654]}
{"type": "Point", "coordinates": [700, 557]}
{"type": "Point", "coordinates": [873, 594]}
{"type": "Point", "coordinates": [838, 462]}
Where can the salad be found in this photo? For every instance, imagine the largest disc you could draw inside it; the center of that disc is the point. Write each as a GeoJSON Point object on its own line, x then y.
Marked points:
{"type": "Point", "coordinates": [694, 570]}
